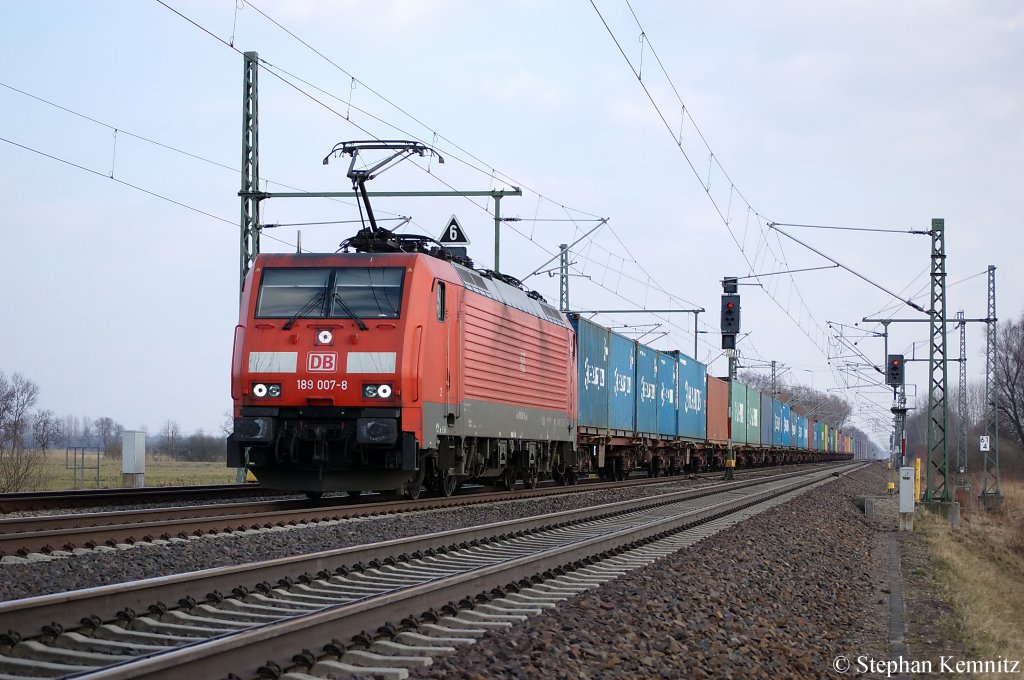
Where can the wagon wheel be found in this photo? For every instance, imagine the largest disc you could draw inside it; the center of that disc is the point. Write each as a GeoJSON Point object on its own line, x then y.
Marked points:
{"type": "Point", "coordinates": [314, 495]}
{"type": "Point", "coordinates": [617, 474]}
{"type": "Point", "coordinates": [532, 478]}
{"type": "Point", "coordinates": [353, 493]}
{"type": "Point", "coordinates": [570, 476]}
{"type": "Point", "coordinates": [446, 484]}
{"type": "Point", "coordinates": [508, 479]}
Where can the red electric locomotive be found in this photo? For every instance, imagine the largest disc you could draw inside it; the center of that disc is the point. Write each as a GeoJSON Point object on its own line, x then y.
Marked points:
{"type": "Point", "coordinates": [395, 367]}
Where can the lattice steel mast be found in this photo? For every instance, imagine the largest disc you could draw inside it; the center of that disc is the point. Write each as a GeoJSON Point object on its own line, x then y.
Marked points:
{"type": "Point", "coordinates": [990, 495]}
{"type": "Point", "coordinates": [938, 408]}
{"type": "Point", "coordinates": [563, 278]}
{"type": "Point", "coordinates": [250, 223]}
{"type": "Point", "coordinates": [961, 440]}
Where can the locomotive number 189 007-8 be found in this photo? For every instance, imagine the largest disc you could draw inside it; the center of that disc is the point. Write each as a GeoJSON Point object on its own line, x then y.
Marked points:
{"type": "Point", "coordinates": [304, 384]}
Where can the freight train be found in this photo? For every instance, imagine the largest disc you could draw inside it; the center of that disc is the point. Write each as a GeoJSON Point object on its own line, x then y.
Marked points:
{"type": "Point", "coordinates": [394, 370]}
{"type": "Point", "coordinates": [399, 366]}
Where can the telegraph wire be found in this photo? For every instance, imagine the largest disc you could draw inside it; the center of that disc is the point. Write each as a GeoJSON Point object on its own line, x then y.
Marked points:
{"type": "Point", "coordinates": [413, 118]}
{"type": "Point", "coordinates": [117, 129]}
{"type": "Point", "coordinates": [277, 71]}
{"type": "Point", "coordinates": [159, 144]}
{"type": "Point", "coordinates": [132, 186]}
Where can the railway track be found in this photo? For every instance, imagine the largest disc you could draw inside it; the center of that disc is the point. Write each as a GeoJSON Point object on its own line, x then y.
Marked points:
{"type": "Point", "coordinates": [29, 501]}
{"type": "Point", "coordinates": [262, 619]}
{"type": "Point", "coordinates": [50, 534]}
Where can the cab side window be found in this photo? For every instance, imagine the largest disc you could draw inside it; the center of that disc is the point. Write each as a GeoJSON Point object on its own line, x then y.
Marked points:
{"type": "Point", "coordinates": [440, 301]}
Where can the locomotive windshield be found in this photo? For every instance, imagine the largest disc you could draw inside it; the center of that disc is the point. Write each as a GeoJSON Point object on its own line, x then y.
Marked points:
{"type": "Point", "coordinates": [345, 293]}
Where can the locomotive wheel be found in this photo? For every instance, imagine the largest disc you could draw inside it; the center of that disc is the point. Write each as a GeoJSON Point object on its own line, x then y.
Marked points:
{"type": "Point", "coordinates": [559, 477]}
{"type": "Point", "coordinates": [353, 494]}
{"type": "Point", "coordinates": [314, 495]}
{"type": "Point", "coordinates": [532, 478]}
{"type": "Point", "coordinates": [571, 476]}
{"type": "Point", "coordinates": [446, 484]}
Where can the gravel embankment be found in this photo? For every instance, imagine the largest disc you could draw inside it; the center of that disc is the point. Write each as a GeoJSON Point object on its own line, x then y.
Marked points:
{"type": "Point", "coordinates": [779, 596]}
{"type": "Point", "coordinates": [18, 580]}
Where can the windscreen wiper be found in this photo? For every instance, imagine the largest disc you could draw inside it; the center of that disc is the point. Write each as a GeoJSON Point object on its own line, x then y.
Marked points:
{"type": "Point", "coordinates": [304, 310]}
{"type": "Point", "coordinates": [348, 310]}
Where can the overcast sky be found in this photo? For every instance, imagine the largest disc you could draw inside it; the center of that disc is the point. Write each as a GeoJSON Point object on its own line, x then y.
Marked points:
{"type": "Point", "coordinates": [861, 114]}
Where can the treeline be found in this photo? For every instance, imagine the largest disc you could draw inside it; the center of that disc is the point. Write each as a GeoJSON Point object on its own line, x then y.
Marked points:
{"type": "Point", "coordinates": [24, 428]}
{"type": "Point", "coordinates": [966, 431]}
{"type": "Point", "coordinates": [830, 408]}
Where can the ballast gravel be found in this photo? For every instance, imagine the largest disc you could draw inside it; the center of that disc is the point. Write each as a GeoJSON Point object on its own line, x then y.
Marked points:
{"type": "Point", "coordinates": [104, 567]}
{"type": "Point", "coordinates": [782, 595]}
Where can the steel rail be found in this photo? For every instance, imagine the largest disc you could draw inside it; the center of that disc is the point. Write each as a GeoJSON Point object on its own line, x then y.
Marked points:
{"type": "Point", "coordinates": [46, 533]}
{"type": "Point", "coordinates": [279, 642]}
{"type": "Point", "coordinates": [23, 501]}
{"type": "Point", "coordinates": [29, 615]}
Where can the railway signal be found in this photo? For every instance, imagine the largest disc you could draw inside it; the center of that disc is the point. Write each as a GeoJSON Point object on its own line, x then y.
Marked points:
{"type": "Point", "coordinates": [894, 370]}
{"type": "Point", "coordinates": [730, 320]}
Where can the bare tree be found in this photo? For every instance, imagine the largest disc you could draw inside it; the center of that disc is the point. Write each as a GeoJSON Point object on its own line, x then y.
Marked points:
{"type": "Point", "coordinates": [17, 397]}
{"type": "Point", "coordinates": [46, 429]}
{"type": "Point", "coordinates": [172, 437]}
{"type": "Point", "coordinates": [1010, 378]}
{"type": "Point", "coordinates": [72, 430]}
{"type": "Point", "coordinates": [106, 428]}
{"type": "Point", "coordinates": [86, 431]}
{"type": "Point", "coordinates": [19, 469]}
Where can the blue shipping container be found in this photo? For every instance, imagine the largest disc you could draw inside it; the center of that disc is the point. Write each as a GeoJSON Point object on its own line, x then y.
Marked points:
{"type": "Point", "coordinates": [766, 420]}
{"type": "Point", "coordinates": [801, 429]}
{"type": "Point", "coordinates": [668, 389]}
{"type": "Point", "coordinates": [794, 434]}
{"type": "Point", "coordinates": [787, 420]}
{"type": "Point", "coordinates": [592, 342]}
{"type": "Point", "coordinates": [647, 390]}
{"type": "Point", "coordinates": [622, 369]}
{"type": "Point", "coordinates": [693, 399]}
{"type": "Point", "coordinates": [776, 422]}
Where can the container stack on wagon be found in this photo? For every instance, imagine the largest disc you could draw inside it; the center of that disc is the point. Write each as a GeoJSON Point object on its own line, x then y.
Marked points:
{"type": "Point", "coordinates": [646, 409]}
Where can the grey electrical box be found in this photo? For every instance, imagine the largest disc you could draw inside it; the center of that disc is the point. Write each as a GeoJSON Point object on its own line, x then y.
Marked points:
{"type": "Point", "coordinates": [133, 459]}
{"type": "Point", "coordinates": [907, 489]}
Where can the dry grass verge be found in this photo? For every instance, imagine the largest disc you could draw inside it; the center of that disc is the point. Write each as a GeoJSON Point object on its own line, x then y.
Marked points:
{"type": "Point", "coordinates": [981, 574]}
{"type": "Point", "coordinates": [160, 471]}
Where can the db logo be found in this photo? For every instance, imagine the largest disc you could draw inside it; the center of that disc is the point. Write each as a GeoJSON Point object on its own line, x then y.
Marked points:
{"type": "Point", "coordinates": [322, 362]}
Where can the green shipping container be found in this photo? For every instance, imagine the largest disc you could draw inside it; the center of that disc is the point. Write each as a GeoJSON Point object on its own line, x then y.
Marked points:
{"type": "Point", "coordinates": [739, 412]}
{"type": "Point", "coordinates": [753, 416]}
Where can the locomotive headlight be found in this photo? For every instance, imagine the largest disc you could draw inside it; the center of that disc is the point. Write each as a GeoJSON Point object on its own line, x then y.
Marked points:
{"type": "Point", "coordinates": [325, 337]}
{"type": "Point", "coordinates": [377, 391]}
{"type": "Point", "coordinates": [262, 390]}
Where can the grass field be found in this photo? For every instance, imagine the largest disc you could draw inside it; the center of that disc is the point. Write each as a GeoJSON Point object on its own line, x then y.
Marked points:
{"type": "Point", "coordinates": [981, 570]}
{"type": "Point", "coordinates": [160, 471]}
